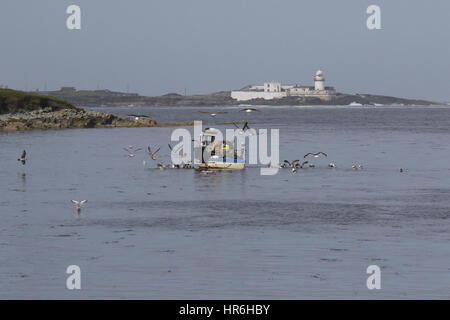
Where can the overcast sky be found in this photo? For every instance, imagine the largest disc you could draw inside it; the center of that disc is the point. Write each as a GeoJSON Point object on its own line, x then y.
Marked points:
{"type": "Point", "coordinates": [161, 46]}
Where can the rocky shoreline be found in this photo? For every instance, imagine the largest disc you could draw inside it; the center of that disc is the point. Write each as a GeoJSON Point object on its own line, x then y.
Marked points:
{"type": "Point", "coordinates": [66, 119]}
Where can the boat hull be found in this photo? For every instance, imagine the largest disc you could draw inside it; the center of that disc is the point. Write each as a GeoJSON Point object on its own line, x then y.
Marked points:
{"type": "Point", "coordinates": [228, 164]}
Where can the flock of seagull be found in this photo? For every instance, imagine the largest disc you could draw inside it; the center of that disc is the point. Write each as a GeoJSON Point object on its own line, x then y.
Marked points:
{"type": "Point", "coordinates": [131, 150]}
{"type": "Point", "coordinates": [295, 165]}
{"type": "Point", "coordinates": [131, 153]}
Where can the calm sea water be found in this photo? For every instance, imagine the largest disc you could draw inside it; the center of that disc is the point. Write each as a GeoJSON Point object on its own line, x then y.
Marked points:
{"type": "Point", "coordinates": [146, 233]}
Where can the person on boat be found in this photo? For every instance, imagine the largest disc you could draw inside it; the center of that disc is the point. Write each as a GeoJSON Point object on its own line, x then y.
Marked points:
{"type": "Point", "coordinates": [225, 146]}
{"type": "Point", "coordinates": [220, 148]}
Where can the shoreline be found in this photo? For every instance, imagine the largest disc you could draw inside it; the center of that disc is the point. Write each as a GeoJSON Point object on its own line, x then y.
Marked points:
{"type": "Point", "coordinates": [79, 118]}
{"type": "Point", "coordinates": [73, 119]}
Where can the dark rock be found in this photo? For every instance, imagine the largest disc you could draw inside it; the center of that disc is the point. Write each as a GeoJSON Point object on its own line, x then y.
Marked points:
{"type": "Point", "coordinates": [67, 118]}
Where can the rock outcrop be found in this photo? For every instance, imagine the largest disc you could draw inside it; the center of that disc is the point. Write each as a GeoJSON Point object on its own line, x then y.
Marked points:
{"type": "Point", "coordinates": [67, 118]}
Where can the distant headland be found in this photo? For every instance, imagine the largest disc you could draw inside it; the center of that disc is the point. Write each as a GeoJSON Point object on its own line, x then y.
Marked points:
{"type": "Point", "coordinates": [254, 95]}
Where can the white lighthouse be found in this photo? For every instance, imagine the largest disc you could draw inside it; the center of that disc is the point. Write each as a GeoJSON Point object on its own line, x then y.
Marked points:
{"type": "Point", "coordinates": [319, 81]}
{"type": "Point", "coordinates": [275, 90]}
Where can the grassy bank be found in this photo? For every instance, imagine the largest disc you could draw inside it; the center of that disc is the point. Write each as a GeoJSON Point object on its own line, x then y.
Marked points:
{"type": "Point", "coordinates": [14, 101]}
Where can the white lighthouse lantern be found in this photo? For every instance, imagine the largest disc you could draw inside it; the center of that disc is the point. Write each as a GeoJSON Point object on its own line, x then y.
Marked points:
{"type": "Point", "coordinates": [319, 81]}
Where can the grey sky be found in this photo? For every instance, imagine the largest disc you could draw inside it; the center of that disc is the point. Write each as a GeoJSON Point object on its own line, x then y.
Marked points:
{"type": "Point", "coordinates": [161, 46]}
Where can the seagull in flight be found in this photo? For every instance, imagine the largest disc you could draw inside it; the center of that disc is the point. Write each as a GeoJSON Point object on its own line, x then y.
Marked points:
{"type": "Point", "coordinates": [315, 155]}
{"type": "Point", "coordinates": [244, 127]}
{"type": "Point", "coordinates": [214, 114]}
{"type": "Point", "coordinates": [23, 157]}
{"type": "Point", "coordinates": [151, 153]}
{"type": "Point", "coordinates": [175, 152]}
{"type": "Point", "coordinates": [137, 117]}
{"type": "Point", "coordinates": [294, 165]}
{"type": "Point", "coordinates": [79, 204]}
{"type": "Point", "coordinates": [131, 152]}
{"type": "Point", "coordinates": [291, 164]}
{"type": "Point", "coordinates": [249, 110]}
{"type": "Point", "coordinates": [303, 164]}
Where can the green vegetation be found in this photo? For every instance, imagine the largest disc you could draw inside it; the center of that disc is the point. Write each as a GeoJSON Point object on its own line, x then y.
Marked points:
{"type": "Point", "coordinates": [13, 101]}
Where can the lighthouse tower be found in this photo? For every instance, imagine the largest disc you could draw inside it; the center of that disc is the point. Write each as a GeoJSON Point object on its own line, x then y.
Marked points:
{"type": "Point", "coordinates": [319, 81]}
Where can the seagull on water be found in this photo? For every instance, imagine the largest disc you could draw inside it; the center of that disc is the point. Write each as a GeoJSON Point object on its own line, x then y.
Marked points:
{"type": "Point", "coordinates": [277, 166]}
{"type": "Point", "coordinates": [357, 167]}
{"type": "Point", "coordinates": [315, 155]}
{"type": "Point", "coordinates": [162, 166]}
{"type": "Point", "coordinates": [187, 165]}
{"type": "Point", "coordinates": [79, 204]}
{"type": "Point", "coordinates": [23, 157]}
{"type": "Point", "coordinates": [331, 165]}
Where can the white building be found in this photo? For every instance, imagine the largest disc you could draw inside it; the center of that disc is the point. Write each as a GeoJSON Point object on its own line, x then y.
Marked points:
{"type": "Point", "coordinates": [274, 90]}
{"type": "Point", "coordinates": [319, 81]}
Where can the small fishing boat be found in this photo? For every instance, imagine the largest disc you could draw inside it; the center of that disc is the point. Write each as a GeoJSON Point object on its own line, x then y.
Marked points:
{"type": "Point", "coordinates": [219, 154]}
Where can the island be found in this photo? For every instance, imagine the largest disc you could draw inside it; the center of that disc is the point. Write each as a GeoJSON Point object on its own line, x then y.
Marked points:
{"type": "Point", "coordinates": [97, 98]}
{"type": "Point", "coordinates": [269, 93]}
